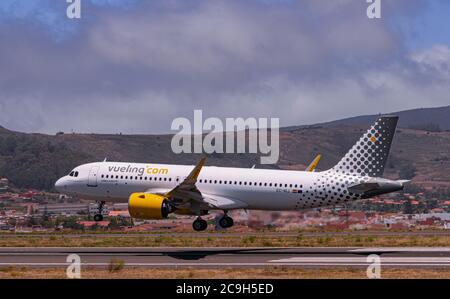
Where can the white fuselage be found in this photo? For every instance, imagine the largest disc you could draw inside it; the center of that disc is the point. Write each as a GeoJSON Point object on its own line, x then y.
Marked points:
{"type": "Point", "coordinates": [259, 189]}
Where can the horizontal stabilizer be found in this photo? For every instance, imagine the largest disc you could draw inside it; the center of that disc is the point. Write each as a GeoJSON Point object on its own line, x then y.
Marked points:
{"type": "Point", "coordinates": [364, 187]}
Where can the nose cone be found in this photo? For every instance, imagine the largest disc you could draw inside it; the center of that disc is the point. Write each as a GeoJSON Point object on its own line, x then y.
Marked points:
{"type": "Point", "coordinates": [59, 185]}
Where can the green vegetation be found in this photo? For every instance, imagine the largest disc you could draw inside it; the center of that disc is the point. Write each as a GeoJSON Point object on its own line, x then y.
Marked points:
{"type": "Point", "coordinates": [116, 265]}
{"type": "Point", "coordinates": [330, 240]}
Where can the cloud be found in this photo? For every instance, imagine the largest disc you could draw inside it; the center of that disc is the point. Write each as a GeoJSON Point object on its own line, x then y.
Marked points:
{"type": "Point", "coordinates": [51, 14]}
{"type": "Point", "coordinates": [134, 71]}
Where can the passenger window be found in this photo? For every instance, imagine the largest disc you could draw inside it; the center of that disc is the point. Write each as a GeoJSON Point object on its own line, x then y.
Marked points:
{"type": "Point", "coordinates": [107, 176]}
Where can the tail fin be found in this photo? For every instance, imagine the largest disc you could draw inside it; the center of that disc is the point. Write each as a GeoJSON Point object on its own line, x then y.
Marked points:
{"type": "Point", "coordinates": [368, 156]}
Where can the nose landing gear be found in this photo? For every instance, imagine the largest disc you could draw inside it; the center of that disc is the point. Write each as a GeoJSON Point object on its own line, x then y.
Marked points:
{"type": "Point", "coordinates": [199, 224]}
{"type": "Point", "coordinates": [99, 216]}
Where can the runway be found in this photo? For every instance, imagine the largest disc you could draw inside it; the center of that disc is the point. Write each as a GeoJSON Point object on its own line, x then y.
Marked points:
{"type": "Point", "coordinates": [436, 257]}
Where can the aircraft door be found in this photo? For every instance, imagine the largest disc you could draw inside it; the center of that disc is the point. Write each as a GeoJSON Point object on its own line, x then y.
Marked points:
{"type": "Point", "coordinates": [92, 181]}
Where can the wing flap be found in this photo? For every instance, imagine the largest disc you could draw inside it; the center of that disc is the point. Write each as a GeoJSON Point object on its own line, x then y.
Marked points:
{"type": "Point", "coordinates": [223, 203]}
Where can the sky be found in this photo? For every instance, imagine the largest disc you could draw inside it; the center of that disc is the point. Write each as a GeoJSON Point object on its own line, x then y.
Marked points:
{"type": "Point", "coordinates": [132, 66]}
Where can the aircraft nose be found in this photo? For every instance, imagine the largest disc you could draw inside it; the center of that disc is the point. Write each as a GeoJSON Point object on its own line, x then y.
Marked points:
{"type": "Point", "coordinates": [59, 185]}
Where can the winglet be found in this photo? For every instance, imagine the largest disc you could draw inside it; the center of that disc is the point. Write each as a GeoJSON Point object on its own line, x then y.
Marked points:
{"type": "Point", "coordinates": [192, 177]}
{"type": "Point", "coordinates": [314, 163]}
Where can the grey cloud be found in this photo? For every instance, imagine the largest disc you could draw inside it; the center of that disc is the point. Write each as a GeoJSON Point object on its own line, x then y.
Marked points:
{"type": "Point", "coordinates": [302, 61]}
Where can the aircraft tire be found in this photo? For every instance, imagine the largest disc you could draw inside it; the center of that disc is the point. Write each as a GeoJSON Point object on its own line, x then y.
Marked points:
{"type": "Point", "coordinates": [98, 217]}
{"type": "Point", "coordinates": [226, 222]}
{"type": "Point", "coordinates": [199, 224]}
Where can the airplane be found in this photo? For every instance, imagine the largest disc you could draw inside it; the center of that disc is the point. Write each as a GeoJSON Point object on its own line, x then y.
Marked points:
{"type": "Point", "coordinates": [154, 191]}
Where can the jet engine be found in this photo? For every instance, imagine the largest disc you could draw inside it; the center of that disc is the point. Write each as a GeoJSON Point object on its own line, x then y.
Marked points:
{"type": "Point", "coordinates": [148, 206]}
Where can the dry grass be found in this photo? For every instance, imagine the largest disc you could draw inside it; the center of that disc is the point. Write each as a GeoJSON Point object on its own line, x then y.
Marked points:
{"type": "Point", "coordinates": [226, 273]}
{"type": "Point", "coordinates": [231, 241]}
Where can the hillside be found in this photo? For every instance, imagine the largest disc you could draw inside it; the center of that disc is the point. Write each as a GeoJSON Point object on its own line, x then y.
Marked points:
{"type": "Point", "coordinates": [36, 160]}
{"type": "Point", "coordinates": [433, 119]}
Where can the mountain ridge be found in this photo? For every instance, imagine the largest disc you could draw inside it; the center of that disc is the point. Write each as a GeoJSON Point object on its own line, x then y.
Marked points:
{"type": "Point", "coordinates": [411, 118]}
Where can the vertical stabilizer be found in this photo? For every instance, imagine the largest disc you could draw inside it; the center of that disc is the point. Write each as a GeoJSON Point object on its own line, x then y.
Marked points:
{"type": "Point", "coordinates": [368, 156]}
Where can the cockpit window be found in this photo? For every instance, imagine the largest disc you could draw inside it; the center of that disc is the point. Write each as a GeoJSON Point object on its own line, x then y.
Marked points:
{"type": "Point", "coordinates": [72, 173]}
{"type": "Point", "coordinates": [76, 174]}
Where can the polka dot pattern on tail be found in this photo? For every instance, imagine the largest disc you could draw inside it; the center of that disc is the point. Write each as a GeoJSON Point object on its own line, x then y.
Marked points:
{"type": "Point", "coordinates": [368, 156]}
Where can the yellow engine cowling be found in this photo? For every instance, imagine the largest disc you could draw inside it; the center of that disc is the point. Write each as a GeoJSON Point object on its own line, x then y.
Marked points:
{"type": "Point", "coordinates": [148, 206]}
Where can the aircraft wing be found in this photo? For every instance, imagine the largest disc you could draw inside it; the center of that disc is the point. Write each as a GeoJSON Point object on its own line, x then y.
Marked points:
{"type": "Point", "coordinates": [186, 194]}
{"type": "Point", "coordinates": [314, 163]}
{"type": "Point", "coordinates": [186, 190]}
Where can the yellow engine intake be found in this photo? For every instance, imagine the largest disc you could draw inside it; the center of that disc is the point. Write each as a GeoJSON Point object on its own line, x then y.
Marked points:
{"type": "Point", "coordinates": [148, 206]}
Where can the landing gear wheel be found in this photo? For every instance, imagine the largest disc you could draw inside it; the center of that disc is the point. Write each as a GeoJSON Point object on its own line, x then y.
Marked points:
{"type": "Point", "coordinates": [199, 224]}
{"type": "Point", "coordinates": [98, 217]}
{"type": "Point", "coordinates": [226, 222]}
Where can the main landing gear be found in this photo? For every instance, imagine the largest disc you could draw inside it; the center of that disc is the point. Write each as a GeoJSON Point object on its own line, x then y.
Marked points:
{"type": "Point", "coordinates": [226, 221]}
{"type": "Point", "coordinates": [99, 216]}
{"type": "Point", "coordinates": [199, 224]}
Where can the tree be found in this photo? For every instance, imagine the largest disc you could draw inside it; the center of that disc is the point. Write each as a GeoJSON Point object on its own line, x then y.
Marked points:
{"type": "Point", "coordinates": [407, 208]}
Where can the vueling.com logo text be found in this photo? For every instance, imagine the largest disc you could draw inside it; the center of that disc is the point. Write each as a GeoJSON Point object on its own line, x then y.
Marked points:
{"type": "Point", "coordinates": [139, 170]}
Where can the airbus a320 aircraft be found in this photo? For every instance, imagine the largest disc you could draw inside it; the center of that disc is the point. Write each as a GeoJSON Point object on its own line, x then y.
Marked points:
{"type": "Point", "coordinates": [153, 191]}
